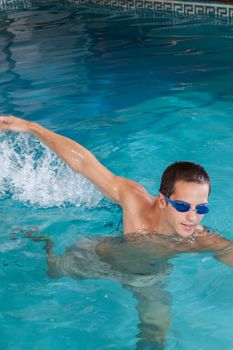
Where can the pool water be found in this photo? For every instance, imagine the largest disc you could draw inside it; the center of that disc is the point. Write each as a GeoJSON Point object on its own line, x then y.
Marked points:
{"type": "Point", "coordinates": [140, 92]}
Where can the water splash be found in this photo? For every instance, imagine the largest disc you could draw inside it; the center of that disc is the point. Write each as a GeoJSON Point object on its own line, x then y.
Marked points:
{"type": "Point", "coordinates": [32, 174]}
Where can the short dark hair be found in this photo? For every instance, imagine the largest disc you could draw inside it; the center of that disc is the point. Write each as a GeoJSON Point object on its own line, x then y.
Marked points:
{"type": "Point", "coordinates": [182, 171]}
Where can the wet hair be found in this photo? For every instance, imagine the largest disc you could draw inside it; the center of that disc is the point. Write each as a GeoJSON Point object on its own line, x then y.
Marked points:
{"type": "Point", "coordinates": [182, 171]}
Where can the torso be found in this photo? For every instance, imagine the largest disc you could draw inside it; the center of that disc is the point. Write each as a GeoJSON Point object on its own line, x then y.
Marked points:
{"type": "Point", "coordinates": [140, 224]}
{"type": "Point", "coordinates": [144, 251]}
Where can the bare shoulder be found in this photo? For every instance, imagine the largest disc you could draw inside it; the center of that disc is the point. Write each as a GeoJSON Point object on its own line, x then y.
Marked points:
{"type": "Point", "coordinates": [134, 199]}
{"type": "Point", "coordinates": [133, 191]}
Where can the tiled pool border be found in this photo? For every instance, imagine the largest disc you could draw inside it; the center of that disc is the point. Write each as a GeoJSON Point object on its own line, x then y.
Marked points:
{"type": "Point", "coordinates": [176, 8]}
{"type": "Point", "coordinates": [172, 7]}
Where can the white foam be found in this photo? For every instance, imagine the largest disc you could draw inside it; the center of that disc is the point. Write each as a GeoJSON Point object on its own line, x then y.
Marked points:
{"type": "Point", "coordinates": [32, 174]}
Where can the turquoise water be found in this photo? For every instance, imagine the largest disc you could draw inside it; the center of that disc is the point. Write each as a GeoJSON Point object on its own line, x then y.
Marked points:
{"type": "Point", "coordinates": [139, 92]}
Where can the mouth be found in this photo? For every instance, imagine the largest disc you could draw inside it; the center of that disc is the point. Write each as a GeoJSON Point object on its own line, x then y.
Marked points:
{"type": "Point", "coordinates": [188, 227]}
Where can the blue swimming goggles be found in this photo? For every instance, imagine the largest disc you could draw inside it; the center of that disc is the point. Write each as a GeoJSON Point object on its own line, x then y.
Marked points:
{"type": "Point", "coordinates": [184, 207]}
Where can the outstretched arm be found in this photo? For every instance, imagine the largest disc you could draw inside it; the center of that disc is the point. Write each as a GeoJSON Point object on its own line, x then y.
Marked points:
{"type": "Point", "coordinates": [74, 155]}
{"type": "Point", "coordinates": [221, 247]}
{"type": "Point", "coordinates": [225, 255]}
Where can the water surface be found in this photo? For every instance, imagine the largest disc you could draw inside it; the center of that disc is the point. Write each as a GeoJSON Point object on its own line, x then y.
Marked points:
{"type": "Point", "coordinates": [139, 92]}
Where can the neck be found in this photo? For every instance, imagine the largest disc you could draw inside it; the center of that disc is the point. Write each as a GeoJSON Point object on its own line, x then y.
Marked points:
{"type": "Point", "coordinates": [160, 222]}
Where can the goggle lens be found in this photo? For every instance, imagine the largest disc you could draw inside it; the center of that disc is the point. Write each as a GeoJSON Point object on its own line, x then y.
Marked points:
{"type": "Point", "coordinates": [184, 207]}
{"type": "Point", "coordinates": [181, 206]}
{"type": "Point", "coordinates": [202, 209]}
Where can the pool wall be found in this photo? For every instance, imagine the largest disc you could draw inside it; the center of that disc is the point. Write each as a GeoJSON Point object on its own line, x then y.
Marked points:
{"type": "Point", "coordinates": [175, 8]}
{"type": "Point", "coordinates": [218, 10]}
{"type": "Point", "coordinates": [202, 9]}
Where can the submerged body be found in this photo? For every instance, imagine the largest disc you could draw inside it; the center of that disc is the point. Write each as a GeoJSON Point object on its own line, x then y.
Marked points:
{"type": "Point", "coordinates": [141, 263]}
{"type": "Point", "coordinates": [133, 260]}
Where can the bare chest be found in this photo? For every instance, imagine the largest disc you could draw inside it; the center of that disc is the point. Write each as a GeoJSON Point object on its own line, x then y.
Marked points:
{"type": "Point", "coordinates": [139, 220]}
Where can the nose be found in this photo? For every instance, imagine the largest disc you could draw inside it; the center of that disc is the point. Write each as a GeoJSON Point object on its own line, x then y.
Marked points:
{"type": "Point", "coordinates": [191, 215]}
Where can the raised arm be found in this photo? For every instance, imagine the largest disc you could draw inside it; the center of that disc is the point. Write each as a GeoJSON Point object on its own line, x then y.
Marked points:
{"type": "Point", "coordinates": [74, 155]}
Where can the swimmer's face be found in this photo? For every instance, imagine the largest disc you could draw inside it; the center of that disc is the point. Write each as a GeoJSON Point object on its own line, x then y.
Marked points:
{"type": "Point", "coordinates": [185, 223]}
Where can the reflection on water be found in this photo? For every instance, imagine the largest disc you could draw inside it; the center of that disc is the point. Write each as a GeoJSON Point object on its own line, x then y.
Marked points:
{"type": "Point", "coordinates": [58, 59]}
{"type": "Point", "coordinates": [7, 5]}
{"type": "Point", "coordinates": [29, 40]}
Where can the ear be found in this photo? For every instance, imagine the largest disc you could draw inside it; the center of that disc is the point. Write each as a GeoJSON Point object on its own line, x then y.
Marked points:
{"type": "Point", "coordinates": [161, 201]}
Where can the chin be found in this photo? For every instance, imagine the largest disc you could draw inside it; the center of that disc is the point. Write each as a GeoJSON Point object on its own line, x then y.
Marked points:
{"type": "Point", "coordinates": [186, 231]}
{"type": "Point", "coordinates": [185, 234]}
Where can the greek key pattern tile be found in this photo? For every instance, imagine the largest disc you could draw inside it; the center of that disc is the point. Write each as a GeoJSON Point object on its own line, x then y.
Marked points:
{"type": "Point", "coordinates": [219, 10]}
{"type": "Point", "coordinates": [177, 8]}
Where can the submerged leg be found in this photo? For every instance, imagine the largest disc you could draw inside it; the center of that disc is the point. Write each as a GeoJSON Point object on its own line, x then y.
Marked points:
{"type": "Point", "coordinates": [155, 316]}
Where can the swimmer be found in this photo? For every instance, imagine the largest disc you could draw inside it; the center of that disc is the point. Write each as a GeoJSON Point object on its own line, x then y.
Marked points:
{"type": "Point", "coordinates": [170, 224]}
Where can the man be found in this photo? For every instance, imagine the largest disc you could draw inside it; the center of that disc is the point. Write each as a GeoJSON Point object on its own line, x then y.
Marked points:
{"type": "Point", "coordinates": [176, 212]}
{"type": "Point", "coordinates": [141, 211]}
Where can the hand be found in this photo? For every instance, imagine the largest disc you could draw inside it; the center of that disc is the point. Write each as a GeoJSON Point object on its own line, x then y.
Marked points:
{"type": "Point", "coordinates": [11, 123]}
